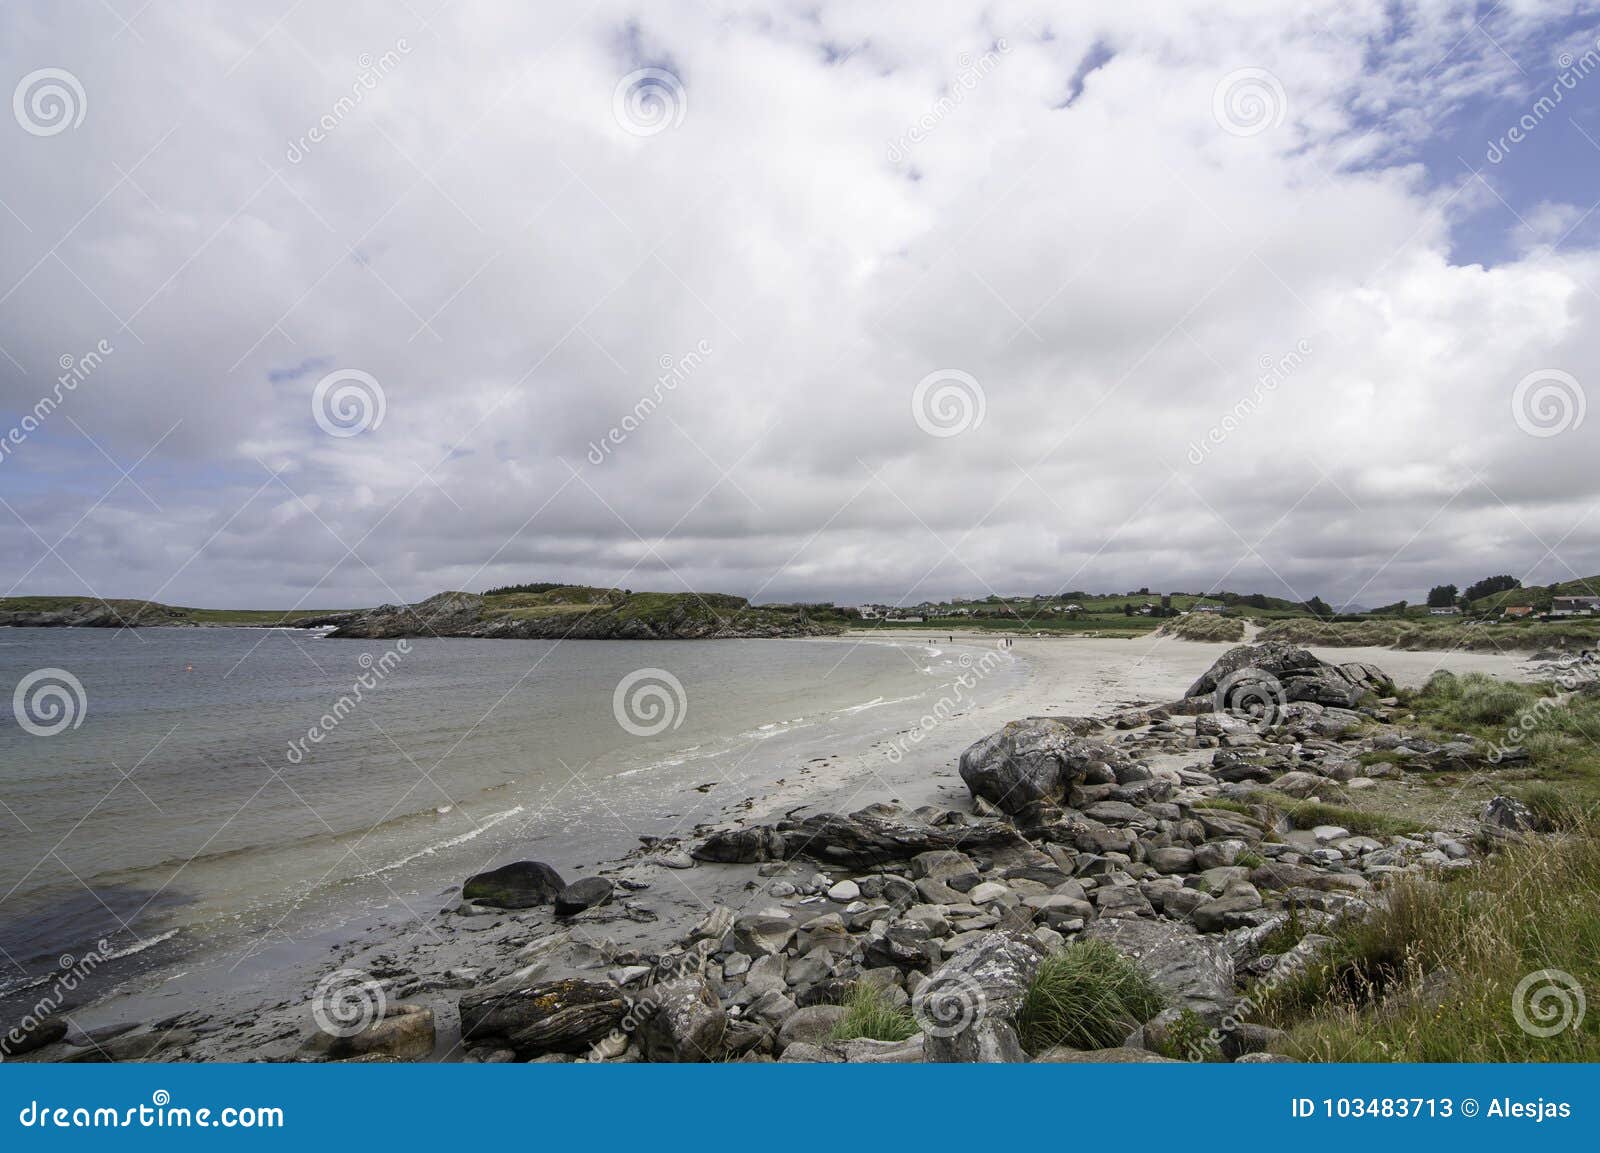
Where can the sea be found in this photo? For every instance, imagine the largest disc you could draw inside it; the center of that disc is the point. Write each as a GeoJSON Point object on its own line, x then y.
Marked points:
{"type": "Point", "coordinates": [172, 795]}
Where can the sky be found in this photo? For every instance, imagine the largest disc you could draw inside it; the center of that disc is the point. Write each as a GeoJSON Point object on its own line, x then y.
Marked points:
{"type": "Point", "coordinates": [325, 306]}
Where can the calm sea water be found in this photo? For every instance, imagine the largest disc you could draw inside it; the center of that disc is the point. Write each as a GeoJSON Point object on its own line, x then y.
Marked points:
{"type": "Point", "coordinates": [218, 787]}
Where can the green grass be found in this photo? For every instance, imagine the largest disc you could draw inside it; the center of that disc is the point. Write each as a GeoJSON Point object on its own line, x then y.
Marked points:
{"type": "Point", "coordinates": [1086, 996]}
{"type": "Point", "coordinates": [869, 1015]}
{"type": "Point", "coordinates": [1433, 975]}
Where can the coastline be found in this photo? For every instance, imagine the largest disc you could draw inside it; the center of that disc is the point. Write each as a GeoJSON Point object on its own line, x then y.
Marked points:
{"type": "Point", "coordinates": [264, 1013]}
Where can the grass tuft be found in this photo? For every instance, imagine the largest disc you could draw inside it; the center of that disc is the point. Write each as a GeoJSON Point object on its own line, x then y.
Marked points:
{"type": "Point", "coordinates": [1086, 996]}
{"type": "Point", "coordinates": [870, 1015]}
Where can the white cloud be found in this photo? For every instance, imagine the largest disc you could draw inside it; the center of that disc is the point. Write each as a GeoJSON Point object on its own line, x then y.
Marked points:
{"type": "Point", "coordinates": [483, 237]}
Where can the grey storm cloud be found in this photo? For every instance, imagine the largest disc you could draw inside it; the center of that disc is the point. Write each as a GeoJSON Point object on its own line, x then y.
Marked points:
{"type": "Point", "coordinates": [715, 295]}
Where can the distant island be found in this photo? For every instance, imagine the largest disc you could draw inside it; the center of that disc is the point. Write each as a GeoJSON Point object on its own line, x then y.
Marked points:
{"type": "Point", "coordinates": [1496, 613]}
{"type": "Point", "coordinates": [540, 611]}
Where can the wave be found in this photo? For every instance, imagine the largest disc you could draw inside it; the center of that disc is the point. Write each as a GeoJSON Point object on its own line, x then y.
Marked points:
{"type": "Point", "coordinates": [484, 826]}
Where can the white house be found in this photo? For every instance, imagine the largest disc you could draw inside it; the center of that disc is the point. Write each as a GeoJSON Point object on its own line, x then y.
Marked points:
{"type": "Point", "coordinates": [1573, 606]}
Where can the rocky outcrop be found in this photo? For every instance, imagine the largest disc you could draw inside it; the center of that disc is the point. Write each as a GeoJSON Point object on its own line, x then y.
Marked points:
{"type": "Point", "coordinates": [859, 840]}
{"type": "Point", "coordinates": [1302, 675]}
{"type": "Point", "coordinates": [567, 1016]}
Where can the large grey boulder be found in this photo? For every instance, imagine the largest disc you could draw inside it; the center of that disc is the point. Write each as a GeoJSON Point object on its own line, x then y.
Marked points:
{"type": "Point", "coordinates": [1031, 762]}
{"type": "Point", "coordinates": [687, 1022]}
{"type": "Point", "coordinates": [1195, 971]}
{"type": "Point", "coordinates": [1300, 674]}
{"type": "Point", "coordinates": [968, 1007]}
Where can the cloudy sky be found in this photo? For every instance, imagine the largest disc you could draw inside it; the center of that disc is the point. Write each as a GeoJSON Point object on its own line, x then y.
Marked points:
{"type": "Point", "coordinates": [358, 302]}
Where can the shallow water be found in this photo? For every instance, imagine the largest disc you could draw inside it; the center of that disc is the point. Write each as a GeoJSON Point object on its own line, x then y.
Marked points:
{"type": "Point", "coordinates": [216, 795]}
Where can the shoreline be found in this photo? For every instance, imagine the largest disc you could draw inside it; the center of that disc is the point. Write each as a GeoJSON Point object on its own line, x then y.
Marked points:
{"type": "Point", "coordinates": [655, 905]}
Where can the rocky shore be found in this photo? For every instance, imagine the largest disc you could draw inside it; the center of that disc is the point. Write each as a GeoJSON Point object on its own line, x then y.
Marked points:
{"type": "Point", "coordinates": [1143, 831]}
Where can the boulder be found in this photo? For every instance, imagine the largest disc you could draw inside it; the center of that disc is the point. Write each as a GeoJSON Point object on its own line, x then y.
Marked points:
{"type": "Point", "coordinates": [1504, 814]}
{"type": "Point", "coordinates": [1299, 673]}
{"type": "Point", "coordinates": [741, 846]}
{"type": "Point", "coordinates": [405, 1032]}
{"type": "Point", "coordinates": [687, 1022]}
{"type": "Point", "coordinates": [581, 895]}
{"type": "Point", "coordinates": [1031, 762]}
{"type": "Point", "coordinates": [519, 885]}
{"type": "Point", "coordinates": [968, 1007]}
{"type": "Point", "coordinates": [544, 1017]}
{"type": "Point", "coordinates": [1196, 972]}
{"type": "Point", "coordinates": [813, 1025]}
